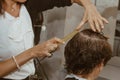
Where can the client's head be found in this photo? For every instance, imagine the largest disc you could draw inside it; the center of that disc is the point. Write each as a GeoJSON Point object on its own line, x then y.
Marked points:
{"type": "Point", "coordinates": [86, 53]}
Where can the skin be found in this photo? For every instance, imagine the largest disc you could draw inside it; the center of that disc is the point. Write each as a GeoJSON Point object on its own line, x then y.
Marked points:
{"type": "Point", "coordinates": [91, 15]}
{"type": "Point", "coordinates": [94, 74]}
{"type": "Point", "coordinates": [8, 5]}
{"type": "Point", "coordinates": [40, 50]}
{"type": "Point", "coordinates": [44, 49]}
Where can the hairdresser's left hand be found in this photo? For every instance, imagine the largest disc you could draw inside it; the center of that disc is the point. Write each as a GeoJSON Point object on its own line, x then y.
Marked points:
{"type": "Point", "coordinates": [92, 16]}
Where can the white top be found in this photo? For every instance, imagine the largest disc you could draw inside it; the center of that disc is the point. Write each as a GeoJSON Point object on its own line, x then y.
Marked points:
{"type": "Point", "coordinates": [16, 36]}
{"type": "Point", "coordinates": [74, 76]}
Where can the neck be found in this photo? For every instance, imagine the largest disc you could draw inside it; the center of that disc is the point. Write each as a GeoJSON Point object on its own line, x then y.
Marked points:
{"type": "Point", "coordinates": [11, 7]}
{"type": "Point", "coordinates": [9, 3]}
{"type": "Point", "coordinates": [94, 74]}
{"type": "Point", "coordinates": [90, 76]}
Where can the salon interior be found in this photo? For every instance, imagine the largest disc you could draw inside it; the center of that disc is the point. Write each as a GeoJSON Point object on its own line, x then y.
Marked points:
{"type": "Point", "coordinates": [65, 21]}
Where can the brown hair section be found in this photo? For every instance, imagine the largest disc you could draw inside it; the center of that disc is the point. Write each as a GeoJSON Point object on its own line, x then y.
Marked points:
{"type": "Point", "coordinates": [85, 51]}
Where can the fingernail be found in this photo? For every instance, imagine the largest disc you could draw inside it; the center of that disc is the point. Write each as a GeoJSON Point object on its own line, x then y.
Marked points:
{"type": "Point", "coordinates": [48, 54]}
{"type": "Point", "coordinates": [55, 45]}
{"type": "Point", "coordinates": [107, 21]}
{"type": "Point", "coordinates": [102, 27]}
{"type": "Point", "coordinates": [63, 42]}
{"type": "Point", "coordinates": [94, 30]}
{"type": "Point", "coordinates": [99, 30]}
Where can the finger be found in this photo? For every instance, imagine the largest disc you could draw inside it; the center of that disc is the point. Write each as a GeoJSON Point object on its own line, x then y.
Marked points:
{"type": "Point", "coordinates": [48, 54]}
{"type": "Point", "coordinates": [80, 25]}
{"type": "Point", "coordinates": [84, 20]}
{"type": "Point", "coordinates": [97, 26]}
{"type": "Point", "coordinates": [92, 25]}
{"type": "Point", "coordinates": [104, 20]}
{"type": "Point", "coordinates": [101, 23]}
{"type": "Point", "coordinates": [53, 47]}
{"type": "Point", "coordinates": [57, 41]}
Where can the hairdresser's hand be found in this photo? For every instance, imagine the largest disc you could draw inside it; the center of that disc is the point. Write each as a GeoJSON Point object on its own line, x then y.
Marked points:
{"type": "Point", "coordinates": [96, 21]}
{"type": "Point", "coordinates": [91, 15]}
{"type": "Point", "coordinates": [45, 48]}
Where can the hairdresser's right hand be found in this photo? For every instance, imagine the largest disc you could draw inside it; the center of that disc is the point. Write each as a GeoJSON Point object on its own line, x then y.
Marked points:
{"type": "Point", "coordinates": [45, 48]}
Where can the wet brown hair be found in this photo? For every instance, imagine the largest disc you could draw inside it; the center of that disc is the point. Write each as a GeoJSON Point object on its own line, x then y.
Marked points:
{"type": "Point", "coordinates": [85, 51]}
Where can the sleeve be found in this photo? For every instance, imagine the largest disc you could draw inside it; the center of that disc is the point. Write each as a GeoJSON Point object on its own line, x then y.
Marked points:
{"type": "Point", "coordinates": [42, 5]}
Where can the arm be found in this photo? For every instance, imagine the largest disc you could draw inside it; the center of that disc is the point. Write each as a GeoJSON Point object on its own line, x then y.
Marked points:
{"type": "Point", "coordinates": [40, 50]}
{"type": "Point", "coordinates": [9, 65]}
{"type": "Point", "coordinates": [42, 5]}
{"type": "Point", "coordinates": [91, 15]}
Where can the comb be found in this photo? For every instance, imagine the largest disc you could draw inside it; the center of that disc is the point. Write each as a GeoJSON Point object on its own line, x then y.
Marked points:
{"type": "Point", "coordinates": [70, 35]}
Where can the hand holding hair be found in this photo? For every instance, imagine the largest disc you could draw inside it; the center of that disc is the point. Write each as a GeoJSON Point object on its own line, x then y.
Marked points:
{"type": "Point", "coordinates": [91, 15]}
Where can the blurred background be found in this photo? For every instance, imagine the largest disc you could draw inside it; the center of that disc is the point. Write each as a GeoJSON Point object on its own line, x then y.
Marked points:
{"type": "Point", "coordinates": [60, 22]}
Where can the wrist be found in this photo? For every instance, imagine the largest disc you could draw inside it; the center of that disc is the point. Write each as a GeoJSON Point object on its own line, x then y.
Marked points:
{"type": "Point", "coordinates": [72, 1]}
{"type": "Point", "coordinates": [87, 5]}
{"type": "Point", "coordinates": [30, 53]}
{"type": "Point", "coordinates": [84, 3]}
